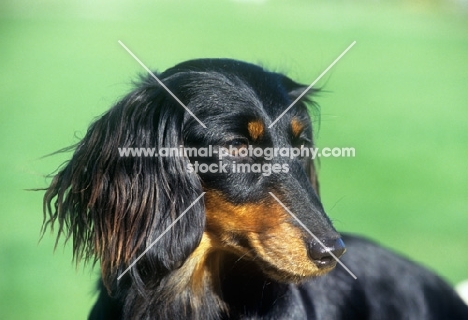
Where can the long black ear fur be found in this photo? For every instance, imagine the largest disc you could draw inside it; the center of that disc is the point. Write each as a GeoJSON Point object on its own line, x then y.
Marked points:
{"type": "Point", "coordinates": [113, 207]}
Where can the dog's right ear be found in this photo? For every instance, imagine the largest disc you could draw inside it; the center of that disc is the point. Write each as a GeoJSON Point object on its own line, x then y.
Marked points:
{"type": "Point", "coordinates": [114, 202]}
{"type": "Point", "coordinates": [306, 103]}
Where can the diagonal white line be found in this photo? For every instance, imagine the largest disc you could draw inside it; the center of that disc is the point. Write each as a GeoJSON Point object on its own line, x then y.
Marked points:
{"type": "Point", "coordinates": [160, 236]}
{"type": "Point", "coordinates": [313, 83]}
{"type": "Point", "coordinates": [161, 84]}
{"type": "Point", "coordinates": [314, 236]}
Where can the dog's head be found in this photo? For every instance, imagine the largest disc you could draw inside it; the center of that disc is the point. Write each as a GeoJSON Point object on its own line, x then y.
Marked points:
{"type": "Point", "coordinates": [114, 204]}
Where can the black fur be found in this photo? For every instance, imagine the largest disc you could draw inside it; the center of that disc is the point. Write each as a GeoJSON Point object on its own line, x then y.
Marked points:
{"type": "Point", "coordinates": [236, 253]}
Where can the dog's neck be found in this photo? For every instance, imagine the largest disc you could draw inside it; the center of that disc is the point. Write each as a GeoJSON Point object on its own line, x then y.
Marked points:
{"type": "Point", "coordinates": [197, 284]}
{"type": "Point", "coordinates": [190, 292]}
{"type": "Point", "coordinates": [211, 284]}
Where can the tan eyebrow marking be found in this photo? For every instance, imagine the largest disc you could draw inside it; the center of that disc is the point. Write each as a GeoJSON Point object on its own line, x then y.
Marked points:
{"type": "Point", "coordinates": [256, 129]}
{"type": "Point", "coordinates": [296, 127]}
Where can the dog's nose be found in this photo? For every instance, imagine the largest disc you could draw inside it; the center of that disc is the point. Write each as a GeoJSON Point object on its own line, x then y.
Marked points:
{"type": "Point", "coordinates": [321, 255]}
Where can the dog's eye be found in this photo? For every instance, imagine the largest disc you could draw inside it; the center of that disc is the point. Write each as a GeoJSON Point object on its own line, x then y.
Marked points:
{"type": "Point", "coordinates": [300, 141]}
{"type": "Point", "coordinates": [236, 146]}
{"type": "Point", "coordinates": [239, 143]}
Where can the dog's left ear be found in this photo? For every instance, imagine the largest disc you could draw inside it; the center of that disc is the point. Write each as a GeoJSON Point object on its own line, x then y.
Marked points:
{"type": "Point", "coordinates": [313, 177]}
{"type": "Point", "coordinates": [114, 202]}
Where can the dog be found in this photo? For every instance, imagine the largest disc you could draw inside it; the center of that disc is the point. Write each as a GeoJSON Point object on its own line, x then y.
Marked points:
{"type": "Point", "coordinates": [223, 244]}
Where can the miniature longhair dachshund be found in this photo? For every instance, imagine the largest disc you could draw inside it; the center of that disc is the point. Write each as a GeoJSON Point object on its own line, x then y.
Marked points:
{"type": "Point", "coordinates": [174, 243]}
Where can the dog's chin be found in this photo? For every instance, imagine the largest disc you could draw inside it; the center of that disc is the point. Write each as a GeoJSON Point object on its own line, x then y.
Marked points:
{"type": "Point", "coordinates": [286, 276]}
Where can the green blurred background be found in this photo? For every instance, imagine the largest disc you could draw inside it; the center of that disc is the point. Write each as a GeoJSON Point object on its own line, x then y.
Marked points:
{"type": "Point", "coordinates": [399, 97]}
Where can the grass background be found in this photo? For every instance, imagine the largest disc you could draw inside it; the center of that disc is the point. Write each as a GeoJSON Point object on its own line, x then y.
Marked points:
{"type": "Point", "coordinates": [399, 97]}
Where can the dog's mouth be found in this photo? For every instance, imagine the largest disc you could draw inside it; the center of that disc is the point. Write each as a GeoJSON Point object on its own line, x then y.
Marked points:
{"type": "Point", "coordinates": [264, 235]}
{"type": "Point", "coordinates": [279, 260]}
{"type": "Point", "coordinates": [286, 276]}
